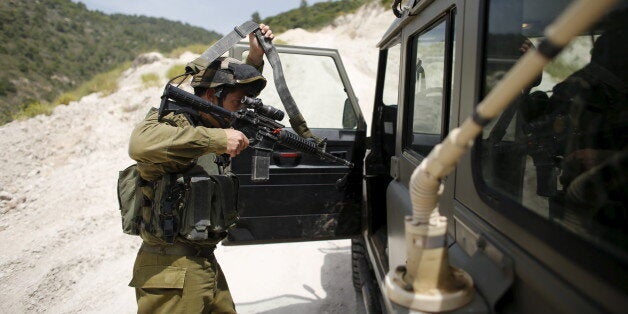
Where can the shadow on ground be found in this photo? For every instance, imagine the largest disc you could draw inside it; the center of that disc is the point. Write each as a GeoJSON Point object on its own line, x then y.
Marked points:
{"type": "Point", "coordinates": [340, 296]}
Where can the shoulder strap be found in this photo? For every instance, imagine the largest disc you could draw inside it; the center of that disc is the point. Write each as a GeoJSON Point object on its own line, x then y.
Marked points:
{"type": "Point", "coordinates": [190, 115]}
{"type": "Point", "coordinates": [220, 47]}
{"type": "Point", "coordinates": [224, 44]}
{"type": "Point", "coordinates": [296, 119]}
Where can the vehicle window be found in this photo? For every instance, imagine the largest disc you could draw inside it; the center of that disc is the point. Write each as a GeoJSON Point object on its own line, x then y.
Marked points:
{"type": "Point", "coordinates": [429, 76]}
{"type": "Point", "coordinates": [316, 87]}
{"type": "Point", "coordinates": [390, 95]}
{"type": "Point", "coordinates": [560, 149]}
{"type": "Point", "coordinates": [390, 99]}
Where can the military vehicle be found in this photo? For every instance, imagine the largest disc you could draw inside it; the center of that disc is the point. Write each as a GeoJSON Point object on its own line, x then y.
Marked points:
{"type": "Point", "coordinates": [535, 216]}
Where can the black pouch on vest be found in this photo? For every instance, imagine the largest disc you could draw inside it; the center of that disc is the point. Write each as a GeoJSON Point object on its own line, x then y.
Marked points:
{"type": "Point", "coordinates": [167, 208]}
{"type": "Point", "coordinates": [210, 206]}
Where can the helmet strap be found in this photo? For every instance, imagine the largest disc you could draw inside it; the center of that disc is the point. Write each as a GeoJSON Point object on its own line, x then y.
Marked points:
{"type": "Point", "coordinates": [220, 93]}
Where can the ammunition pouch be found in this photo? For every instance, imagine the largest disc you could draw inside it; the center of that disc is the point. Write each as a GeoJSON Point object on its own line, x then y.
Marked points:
{"type": "Point", "coordinates": [195, 205]}
{"type": "Point", "coordinates": [130, 199]}
{"type": "Point", "coordinates": [166, 208]}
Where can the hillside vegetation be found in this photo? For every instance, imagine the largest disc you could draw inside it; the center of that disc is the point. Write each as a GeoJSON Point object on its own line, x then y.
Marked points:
{"type": "Point", "coordinates": [314, 16]}
{"type": "Point", "coordinates": [48, 47]}
{"type": "Point", "coordinates": [57, 51]}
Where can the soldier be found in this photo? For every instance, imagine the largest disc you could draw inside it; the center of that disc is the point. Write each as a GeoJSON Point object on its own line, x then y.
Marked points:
{"type": "Point", "coordinates": [175, 270]}
{"type": "Point", "coordinates": [594, 103]}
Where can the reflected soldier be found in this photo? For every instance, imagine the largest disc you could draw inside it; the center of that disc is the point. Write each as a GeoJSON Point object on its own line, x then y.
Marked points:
{"type": "Point", "coordinates": [594, 101]}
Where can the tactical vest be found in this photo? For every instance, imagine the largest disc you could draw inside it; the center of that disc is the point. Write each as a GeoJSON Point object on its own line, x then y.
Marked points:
{"type": "Point", "coordinates": [198, 205]}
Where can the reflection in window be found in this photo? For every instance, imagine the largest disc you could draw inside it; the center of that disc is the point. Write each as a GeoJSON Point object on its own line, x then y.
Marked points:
{"type": "Point", "coordinates": [428, 86]}
{"type": "Point", "coordinates": [430, 74]}
{"type": "Point", "coordinates": [560, 149]}
{"type": "Point", "coordinates": [317, 89]}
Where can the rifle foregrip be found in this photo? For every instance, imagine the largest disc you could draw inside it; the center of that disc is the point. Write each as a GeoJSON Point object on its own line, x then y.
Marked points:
{"type": "Point", "coordinates": [296, 142]}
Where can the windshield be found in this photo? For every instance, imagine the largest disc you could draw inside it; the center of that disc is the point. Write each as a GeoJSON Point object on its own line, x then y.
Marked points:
{"type": "Point", "coordinates": [317, 88]}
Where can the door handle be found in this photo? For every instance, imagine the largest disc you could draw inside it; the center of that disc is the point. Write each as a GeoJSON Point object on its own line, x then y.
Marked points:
{"type": "Point", "coordinates": [340, 154]}
{"type": "Point", "coordinates": [287, 159]}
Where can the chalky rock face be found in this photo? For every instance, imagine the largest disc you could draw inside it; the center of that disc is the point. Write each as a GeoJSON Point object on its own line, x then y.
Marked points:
{"type": "Point", "coordinates": [147, 58]}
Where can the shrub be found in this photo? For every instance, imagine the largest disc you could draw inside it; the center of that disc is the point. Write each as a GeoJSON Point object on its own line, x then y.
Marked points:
{"type": "Point", "coordinates": [312, 17]}
{"type": "Point", "coordinates": [32, 109]}
{"type": "Point", "coordinates": [150, 80]}
{"type": "Point", "coordinates": [104, 83]}
{"type": "Point", "coordinates": [66, 98]}
{"type": "Point", "coordinates": [175, 70]}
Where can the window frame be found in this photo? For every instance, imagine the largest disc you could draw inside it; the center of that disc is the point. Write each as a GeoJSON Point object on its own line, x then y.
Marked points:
{"type": "Point", "coordinates": [382, 79]}
{"type": "Point", "coordinates": [238, 51]}
{"type": "Point", "coordinates": [448, 17]}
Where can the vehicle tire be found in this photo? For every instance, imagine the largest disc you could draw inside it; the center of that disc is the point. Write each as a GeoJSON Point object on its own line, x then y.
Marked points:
{"type": "Point", "coordinates": [357, 252]}
{"type": "Point", "coordinates": [363, 283]}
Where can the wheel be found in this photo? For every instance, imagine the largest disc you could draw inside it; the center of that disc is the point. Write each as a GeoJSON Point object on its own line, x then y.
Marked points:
{"type": "Point", "coordinates": [357, 254]}
{"type": "Point", "coordinates": [363, 280]}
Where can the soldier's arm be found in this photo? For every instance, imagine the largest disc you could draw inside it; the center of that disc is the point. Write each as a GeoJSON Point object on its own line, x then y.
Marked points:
{"type": "Point", "coordinates": [259, 67]}
{"type": "Point", "coordinates": [158, 142]}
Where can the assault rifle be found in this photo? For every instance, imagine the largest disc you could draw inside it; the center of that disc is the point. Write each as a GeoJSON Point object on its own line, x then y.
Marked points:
{"type": "Point", "coordinates": [256, 120]}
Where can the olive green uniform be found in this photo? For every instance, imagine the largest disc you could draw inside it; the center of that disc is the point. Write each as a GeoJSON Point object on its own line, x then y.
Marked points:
{"type": "Point", "coordinates": [166, 282]}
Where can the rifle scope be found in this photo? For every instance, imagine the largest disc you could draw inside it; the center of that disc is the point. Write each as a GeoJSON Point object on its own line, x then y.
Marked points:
{"type": "Point", "coordinates": [257, 105]}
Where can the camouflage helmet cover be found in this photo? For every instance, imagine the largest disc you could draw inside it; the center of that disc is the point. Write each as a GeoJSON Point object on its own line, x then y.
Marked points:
{"type": "Point", "coordinates": [226, 71]}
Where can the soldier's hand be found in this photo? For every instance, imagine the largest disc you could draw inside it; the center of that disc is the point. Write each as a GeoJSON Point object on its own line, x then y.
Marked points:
{"type": "Point", "coordinates": [525, 46]}
{"type": "Point", "coordinates": [256, 52]}
{"type": "Point", "coordinates": [236, 142]}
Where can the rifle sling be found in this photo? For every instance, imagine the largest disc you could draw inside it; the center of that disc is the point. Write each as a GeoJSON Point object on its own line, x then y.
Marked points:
{"type": "Point", "coordinates": [295, 118]}
{"type": "Point", "coordinates": [220, 47]}
{"type": "Point", "coordinates": [224, 44]}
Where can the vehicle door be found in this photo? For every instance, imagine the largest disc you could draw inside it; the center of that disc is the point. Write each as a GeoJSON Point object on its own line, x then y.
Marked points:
{"type": "Point", "coordinates": [306, 198]}
{"type": "Point", "coordinates": [534, 211]}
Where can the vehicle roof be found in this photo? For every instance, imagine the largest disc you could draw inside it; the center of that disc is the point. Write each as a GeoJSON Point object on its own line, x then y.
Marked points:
{"type": "Point", "coordinates": [411, 10]}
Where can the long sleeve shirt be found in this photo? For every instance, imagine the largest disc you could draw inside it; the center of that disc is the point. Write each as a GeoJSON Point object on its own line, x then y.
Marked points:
{"type": "Point", "coordinates": [171, 145]}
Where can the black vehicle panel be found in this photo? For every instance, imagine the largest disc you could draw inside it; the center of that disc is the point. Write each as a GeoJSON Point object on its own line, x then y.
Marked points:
{"type": "Point", "coordinates": [306, 198]}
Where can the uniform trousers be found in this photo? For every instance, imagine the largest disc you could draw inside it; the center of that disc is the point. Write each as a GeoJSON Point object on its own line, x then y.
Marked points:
{"type": "Point", "coordinates": [167, 283]}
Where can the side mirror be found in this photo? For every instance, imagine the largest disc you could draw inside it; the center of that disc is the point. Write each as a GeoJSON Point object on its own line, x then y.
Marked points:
{"type": "Point", "coordinates": [349, 118]}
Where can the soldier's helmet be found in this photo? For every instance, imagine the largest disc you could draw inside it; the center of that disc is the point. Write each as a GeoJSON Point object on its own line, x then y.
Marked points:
{"type": "Point", "coordinates": [230, 72]}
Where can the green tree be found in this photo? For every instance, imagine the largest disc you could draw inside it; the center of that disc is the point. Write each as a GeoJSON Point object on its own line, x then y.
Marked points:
{"type": "Point", "coordinates": [255, 17]}
{"type": "Point", "coordinates": [313, 16]}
